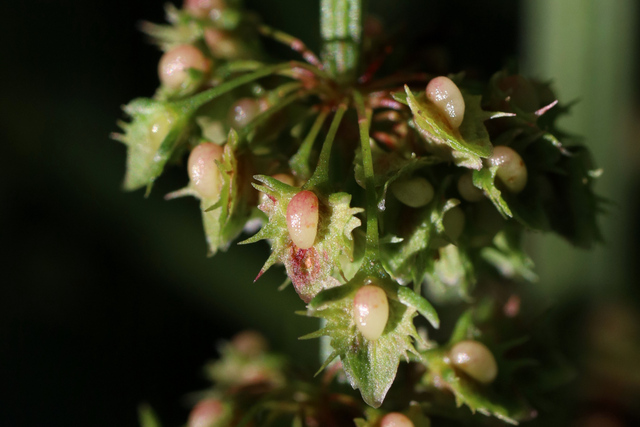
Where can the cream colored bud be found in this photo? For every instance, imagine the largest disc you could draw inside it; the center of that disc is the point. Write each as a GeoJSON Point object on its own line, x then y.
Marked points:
{"type": "Point", "coordinates": [414, 192]}
{"type": "Point", "coordinates": [175, 63]}
{"type": "Point", "coordinates": [512, 171]}
{"type": "Point", "coordinates": [242, 112]}
{"type": "Point", "coordinates": [467, 190]}
{"type": "Point", "coordinates": [474, 359]}
{"type": "Point", "coordinates": [302, 219]}
{"type": "Point", "coordinates": [447, 97]}
{"type": "Point", "coordinates": [203, 170]}
{"type": "Point", "coordinates": [371, 311]}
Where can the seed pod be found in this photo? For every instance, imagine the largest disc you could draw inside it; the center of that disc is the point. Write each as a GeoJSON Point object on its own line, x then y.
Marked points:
{"type": "Point", "coordinates": [467, 190]}
{"type": "Point", "coordinates": [203, 170]}
{"type": "Point", "coordinates": [206, 413]}
{"type": "Point", "coordinates": [512, 171]}
{"type": "Point", "coordinates": [447, 97]}
{"type": "Point", "coordinates": [474, 359]}
{"type": "Point", "coordinates": [242, 112]}
{"type": "Point", "coordinates": [414, 192]}
{"type": "Point", "coordinates": [395, 419]}
{"type": "Point", "coordinates": [371, 311]}
{"type": "Point", "coordinates": [174, 64]}
{"type": "Point", "coordinates": [302, 219]}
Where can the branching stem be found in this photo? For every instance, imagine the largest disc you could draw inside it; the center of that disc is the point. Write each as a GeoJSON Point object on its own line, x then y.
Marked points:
{"type": "Point", "coordinates": [320, 177]}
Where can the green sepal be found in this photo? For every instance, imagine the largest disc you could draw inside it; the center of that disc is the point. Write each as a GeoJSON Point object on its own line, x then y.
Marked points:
{"type": "Point", "coordinates": [389, 167]}
{"type": "Point", "coordinates": [467, 392]}
{"type": "Point", "coordinates": [469, 143]}
{"type": "Point", "coordinates": [409, 298]}
{"type": "Point", "coordinates": [451, 276]}
{"type": "Point", "coordinates": [370, 366]}
{"type": "Point", "coordinates": [484, 179]}
{"type": "Point", "coordinates": [507, 256]}
{"type": "Point", "coordinates": [155, 131]}
{"type": "Point", "coordinates": [411, 259]}
{"type": "Point", "coordinates": [310, 270]}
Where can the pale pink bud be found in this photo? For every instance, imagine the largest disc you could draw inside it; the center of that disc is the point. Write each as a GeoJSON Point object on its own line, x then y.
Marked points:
{"type": "Point", "coordinates": [447, 97]}
{"type": "Point", "coordinates": [395, 419]}
{"type": "Point", "coordinates": [203, 170]}
{"type": "Point", "coordinates": [474, 359]}
{"type": "Point", "coordinates": [371, 311]}
{"type": "Point", "coordinates": [174, 64]}
{"type": "Point", "coordinates": [512, 171]}
{"type": "Point", "coordinates": [302, 219]}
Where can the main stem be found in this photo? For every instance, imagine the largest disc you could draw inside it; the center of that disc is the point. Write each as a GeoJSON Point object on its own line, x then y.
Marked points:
{"type": "Point", "coordinates": [341, 32]}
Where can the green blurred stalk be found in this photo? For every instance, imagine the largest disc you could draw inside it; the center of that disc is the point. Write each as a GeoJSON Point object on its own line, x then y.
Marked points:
{"type": "Point", "coordinates": [586, 47]}
{"type": "Point", "coordinates": [341, 32]}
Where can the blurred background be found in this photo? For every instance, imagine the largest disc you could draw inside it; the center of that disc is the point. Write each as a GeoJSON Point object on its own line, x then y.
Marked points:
{"type": "Point", "coordinates": [108, 299]}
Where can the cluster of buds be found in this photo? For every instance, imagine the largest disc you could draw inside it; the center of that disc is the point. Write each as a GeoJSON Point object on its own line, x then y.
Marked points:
{"type": "Point", "coordinates": [444, 179]}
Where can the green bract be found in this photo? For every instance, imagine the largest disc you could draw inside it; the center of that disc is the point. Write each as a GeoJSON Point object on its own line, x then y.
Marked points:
{"type": "Point", "coordinates": [310, 270]}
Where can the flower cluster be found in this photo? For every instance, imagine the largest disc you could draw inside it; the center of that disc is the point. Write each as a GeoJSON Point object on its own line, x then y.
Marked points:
{"type": "Point", "coordinates": [378, 194]}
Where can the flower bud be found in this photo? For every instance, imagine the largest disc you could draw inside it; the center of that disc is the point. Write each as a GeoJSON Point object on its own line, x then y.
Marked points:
{"type": "Point", "coordinates": [207, 413]}
{"type": "Point", "coordinates": [474, 359]}
{"type": "Point", "coordinates": [395, 419]}
{"type": "Point", "coordinates": [203, 170]}
{"type": "Point", "coordinates": [302, 219]}
{"type": "Point", "coordinates": [447, 97]}
{"type": "Point", "coordinates": [242, 112]}
{"type": "Point", "coordinates": [371, 311]}
{"type": "Point", "coordinates": [512, 171]}
{"type": "Point", "coordinates": [414, 192]}
{"type": "Point", "coordinates": [174, 64]}
{"type": "Point", "coordinates": [467, 190]}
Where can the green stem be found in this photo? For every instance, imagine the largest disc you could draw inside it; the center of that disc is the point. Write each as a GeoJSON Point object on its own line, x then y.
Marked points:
{"type": "Point", "coordinates": [341, 32]}
{"type": "Point", "coordinates": [299, 162]}
{"type": "Point", "coordinates": [321, 175]}
{"type": "Point", "coordinates": [281, 104]}
{"type": "Point", "coordinates": [372, 250]}
{"type": "Point", "coordinates": [189, 106]}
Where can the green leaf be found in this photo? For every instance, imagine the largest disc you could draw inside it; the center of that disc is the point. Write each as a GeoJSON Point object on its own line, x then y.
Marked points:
{"type": "Point", "coordinates": [409, 298]}
{"type": "Point", "coordinates": [484, 179]}
{"type": "Point", "coordinates": [469, 143]}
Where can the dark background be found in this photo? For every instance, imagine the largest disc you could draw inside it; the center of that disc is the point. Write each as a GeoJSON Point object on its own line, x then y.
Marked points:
{"type": "Point", "coordinates": [107, 298]}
